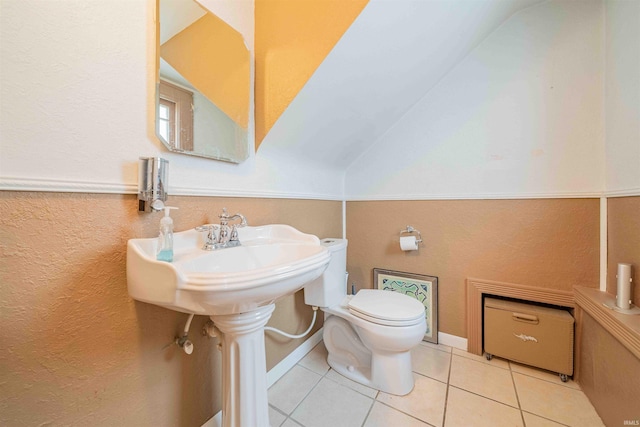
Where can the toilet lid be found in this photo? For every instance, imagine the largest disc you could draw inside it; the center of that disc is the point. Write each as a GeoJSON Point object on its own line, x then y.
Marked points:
{"type": "Point", "coordinates": [386, 307]}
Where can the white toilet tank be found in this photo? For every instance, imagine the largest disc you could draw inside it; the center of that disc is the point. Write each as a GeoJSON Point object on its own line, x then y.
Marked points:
{"type": "Point", "coordinates": [331, 287]}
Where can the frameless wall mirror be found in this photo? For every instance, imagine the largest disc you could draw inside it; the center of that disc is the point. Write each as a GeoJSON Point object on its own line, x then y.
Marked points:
{"type": "Point", "coordinates": [203, 83]}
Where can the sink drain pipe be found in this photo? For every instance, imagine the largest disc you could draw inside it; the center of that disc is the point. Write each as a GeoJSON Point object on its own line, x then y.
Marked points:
{"type": "Point", "coordinates": [305, 333]}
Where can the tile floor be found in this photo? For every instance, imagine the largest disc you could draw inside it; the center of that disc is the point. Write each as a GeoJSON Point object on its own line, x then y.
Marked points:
{"type": "Point", "coordinates": [452, 388]}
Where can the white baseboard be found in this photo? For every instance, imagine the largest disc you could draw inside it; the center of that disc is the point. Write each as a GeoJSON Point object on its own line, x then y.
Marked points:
{"type": "Point", "coordinates": [279, 370]}
{"type": "Point", "coordinates": [452, 341]}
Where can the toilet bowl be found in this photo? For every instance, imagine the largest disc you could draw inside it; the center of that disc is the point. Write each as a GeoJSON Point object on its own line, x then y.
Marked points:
{"type": "Point", "coordinates": [368, 336]}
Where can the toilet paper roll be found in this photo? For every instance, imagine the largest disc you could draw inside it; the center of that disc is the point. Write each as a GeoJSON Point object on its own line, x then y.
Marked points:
{"type": "Point", "coordinates": [623, 296]}
{"type": "Point", "coordinates": [408, 243]}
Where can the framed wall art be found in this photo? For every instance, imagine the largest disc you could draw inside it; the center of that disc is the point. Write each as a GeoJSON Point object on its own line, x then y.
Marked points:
{"type": "Point", "coordinates": [421, 287]}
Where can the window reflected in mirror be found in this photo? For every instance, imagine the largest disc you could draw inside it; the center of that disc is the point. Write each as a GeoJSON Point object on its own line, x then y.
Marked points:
{"type": "Point", "coordinates": [175, 116]}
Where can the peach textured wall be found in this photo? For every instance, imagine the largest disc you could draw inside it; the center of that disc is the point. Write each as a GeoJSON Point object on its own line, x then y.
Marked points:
{"type": "Point", "coordinates": [606, 367]}
{"type": "Point", "coordinates": [76, 349]}
{"type": "Point", "coordinates": [608, 375]}
{"type": "Point", "coordinates": [550, 243]}
{"type": "Point", "coordinates": [623, 218]}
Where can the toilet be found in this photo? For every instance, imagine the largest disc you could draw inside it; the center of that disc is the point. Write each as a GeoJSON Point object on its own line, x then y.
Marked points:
{"type": "Point", "coordinates": [369, 336]}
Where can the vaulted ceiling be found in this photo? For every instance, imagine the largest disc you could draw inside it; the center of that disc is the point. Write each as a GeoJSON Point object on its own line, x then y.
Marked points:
{"type": "Point", "coordinates": [386, 61]}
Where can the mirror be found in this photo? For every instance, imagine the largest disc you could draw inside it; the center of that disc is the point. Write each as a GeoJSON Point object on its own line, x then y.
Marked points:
{"type": "Point", "coordinates": [202, 84]}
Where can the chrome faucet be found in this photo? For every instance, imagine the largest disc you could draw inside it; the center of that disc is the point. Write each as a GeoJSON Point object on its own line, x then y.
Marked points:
{"type": "Point", "coordinates": [228, 235]}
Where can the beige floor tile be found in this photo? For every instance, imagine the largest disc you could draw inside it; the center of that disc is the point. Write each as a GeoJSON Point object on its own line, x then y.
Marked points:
{"type": "Point", "coordinates": [555, 402]}
{"type": "Point", "coordinates": [536, 421]}
{"type": "Point", "coordinates": [481, 393]}
{"type": "Point", "coordinates": [276, 418]}
{"type": "Point", "coordinates": [332, 404]}
{"type": "Point", "coordinates": [362, 389]}
{"type": "Point", "coordinates": [470, 410]}
{"type": "Point", "coordinates": [485, 380]}
{"type": "Point", "coordinates": [431, 363]}
{"type": "Point", "coordinates": [542, 374]}
{"type": "Point", "coordinates": [495, 361]}
{"type": "Point", "coordinates": [384, 416]}
{"type": "Point", "coordinates": [292, 388]}
{"type": "Point", "coordinates": [426, 401]}
{"type": "Point", "coordinates": [316, 359]}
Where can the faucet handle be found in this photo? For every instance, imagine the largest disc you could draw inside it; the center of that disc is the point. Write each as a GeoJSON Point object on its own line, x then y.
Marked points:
{"type": "Point", "coordinates": [233, 238]}
{"type": "Point", "coordinates": [207, 227]}
{"type": "Point", "coordinates": [210, 240]}
{"type": "Point", "coordinates": [234, 233]}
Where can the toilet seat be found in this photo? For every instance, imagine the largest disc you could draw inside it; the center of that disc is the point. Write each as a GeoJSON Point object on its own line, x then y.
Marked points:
{"type": "Point", "coordinates": [386, 308]}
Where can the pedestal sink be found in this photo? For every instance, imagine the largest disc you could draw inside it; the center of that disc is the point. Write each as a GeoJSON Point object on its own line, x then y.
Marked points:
{"type": "Point", "coordinates": [237, 287]}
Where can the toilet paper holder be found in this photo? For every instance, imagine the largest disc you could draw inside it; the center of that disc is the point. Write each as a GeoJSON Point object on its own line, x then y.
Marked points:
{"type": "Point", "coordinates": [413, 232]}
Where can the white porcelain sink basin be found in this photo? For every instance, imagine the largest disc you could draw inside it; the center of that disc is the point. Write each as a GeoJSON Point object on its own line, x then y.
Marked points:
{"type": "Point", "coordinates": [273, 261]}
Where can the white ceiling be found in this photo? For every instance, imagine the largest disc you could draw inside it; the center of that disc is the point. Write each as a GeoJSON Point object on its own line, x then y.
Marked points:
{"type": "Point", "coordinates": [176, 15]}
{"type": "Point", "coordinates": [387, 61]}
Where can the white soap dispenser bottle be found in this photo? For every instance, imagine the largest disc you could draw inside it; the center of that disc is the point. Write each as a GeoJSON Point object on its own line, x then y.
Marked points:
{"type": "Point", "coordinates": [165, 239]}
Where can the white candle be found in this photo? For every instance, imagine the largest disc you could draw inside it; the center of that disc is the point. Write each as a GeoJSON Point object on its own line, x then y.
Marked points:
{"type": "Point", "coordinates": [623, 298]}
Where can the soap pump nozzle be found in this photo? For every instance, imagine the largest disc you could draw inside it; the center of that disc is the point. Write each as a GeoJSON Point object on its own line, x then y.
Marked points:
{"type": "Point", "coordinates": [167, 214]}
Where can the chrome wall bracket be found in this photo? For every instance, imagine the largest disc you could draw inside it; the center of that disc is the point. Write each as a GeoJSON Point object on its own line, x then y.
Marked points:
{"type": "Point", "coordinates": [153, 183]}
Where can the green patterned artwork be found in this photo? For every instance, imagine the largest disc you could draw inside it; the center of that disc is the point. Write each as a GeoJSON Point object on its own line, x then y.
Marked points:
{"type": "Point", "coordinates": [421, 287]}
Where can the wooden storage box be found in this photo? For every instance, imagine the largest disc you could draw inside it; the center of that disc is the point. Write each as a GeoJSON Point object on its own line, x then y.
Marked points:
{"type": "Point", "coordinates": [529, 334]}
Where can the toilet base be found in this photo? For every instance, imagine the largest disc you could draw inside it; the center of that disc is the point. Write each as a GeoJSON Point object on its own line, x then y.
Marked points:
{"type": "Point", "coordinates": [389, 372]}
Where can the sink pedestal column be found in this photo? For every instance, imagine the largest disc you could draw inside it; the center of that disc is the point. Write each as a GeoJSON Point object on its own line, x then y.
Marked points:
{"type": "Point", "coordinates": [244, 368]}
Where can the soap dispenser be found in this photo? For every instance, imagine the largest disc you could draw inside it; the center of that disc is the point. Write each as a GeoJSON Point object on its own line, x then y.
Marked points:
{"type": "Point", "coordinates": [165, 239]}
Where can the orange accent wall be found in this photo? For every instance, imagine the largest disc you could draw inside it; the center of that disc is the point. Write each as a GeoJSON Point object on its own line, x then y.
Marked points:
{"type": "Point", "coordinates": [292, 38]}
{"type": "Point", "coordinates": [225, 83]}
